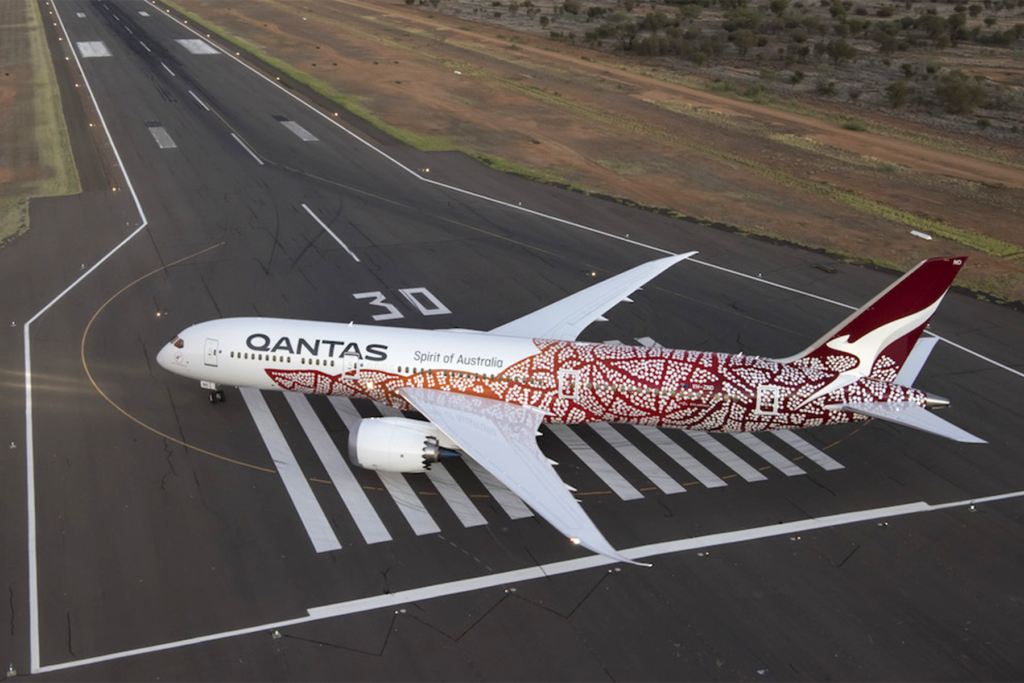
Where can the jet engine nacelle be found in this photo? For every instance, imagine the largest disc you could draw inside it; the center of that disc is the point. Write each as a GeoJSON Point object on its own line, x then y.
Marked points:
{"type": "Point", "coordinates": [397, 444]}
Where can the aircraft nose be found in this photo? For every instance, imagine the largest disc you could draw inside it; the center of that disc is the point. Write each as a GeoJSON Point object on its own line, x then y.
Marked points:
{"type": "Point", "coordinates": [172, 358]}
{"type": "Point", "coordinates": [163, 358]}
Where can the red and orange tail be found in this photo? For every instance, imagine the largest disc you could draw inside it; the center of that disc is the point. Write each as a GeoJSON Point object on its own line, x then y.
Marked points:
{"type": "Point", "coordinates": [876, 340]}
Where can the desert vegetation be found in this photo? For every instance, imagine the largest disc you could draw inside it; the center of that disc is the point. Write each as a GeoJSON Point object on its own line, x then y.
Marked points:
{"type": "Point", "coordinates": [950, 64]}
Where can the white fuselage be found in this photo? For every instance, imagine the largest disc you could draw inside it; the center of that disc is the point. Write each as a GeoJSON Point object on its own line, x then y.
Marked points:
{"type": "Point", "coordinates": [572, 382]}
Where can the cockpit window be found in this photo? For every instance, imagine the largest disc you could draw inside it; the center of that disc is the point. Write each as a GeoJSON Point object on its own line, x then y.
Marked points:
{"type": "Point", "coordinates": [178, 343]}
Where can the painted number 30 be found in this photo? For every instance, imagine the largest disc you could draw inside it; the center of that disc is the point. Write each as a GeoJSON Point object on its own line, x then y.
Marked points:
{"type": "Point", "coordinates": [420, 297]}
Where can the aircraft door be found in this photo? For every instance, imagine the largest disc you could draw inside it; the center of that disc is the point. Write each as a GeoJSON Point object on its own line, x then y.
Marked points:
{"type": "Point", "coordinates": [350, 366]}
{"type": "Point", "coordinates": [568, 383]}
{"type": "Point", "coordinates": [210, 355]}
{"type": "Point", "coordinates": [767, 400]}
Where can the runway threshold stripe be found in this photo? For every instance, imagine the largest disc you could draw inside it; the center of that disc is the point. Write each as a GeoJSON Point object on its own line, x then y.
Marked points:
{"type": "Point", "coordinates": [813, 454]}
{"type": "Point", "coordinates": [409, 504]}
{"type": "Point", "coordinates": [352, 494]}
{"type": "Point", "coordinates": [679, 454]}
{"type": "Point", "coordinates": [295, 482]}
{"type": "Point", "coordinates": [773, 457]}
{"type": "Point", "coordinates": [456, 498]}
{"type": "Point", "coordinates": [615, 481]}
{"type": "Point", "coordinates": [512, 504]}
{"type": "Point", "coordinates": [728, 458]}
{"type": "Point", "coordinates": [637, 458]}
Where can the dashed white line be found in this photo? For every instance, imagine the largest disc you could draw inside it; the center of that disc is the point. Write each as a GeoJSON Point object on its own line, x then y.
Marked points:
{"type": "Point", "coordinates": [330, 232]}
{"type": "Point", "coordinates": [167, 67]}
{"type": "Point", "coordinates": [246, 148]}
{"type": "Point", "coordinates": [145, 46]}
{"type": "Point", "coordinates": [196, 98]}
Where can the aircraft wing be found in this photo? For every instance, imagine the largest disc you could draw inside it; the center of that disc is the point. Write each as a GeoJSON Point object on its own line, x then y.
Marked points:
{"type": "Point", "coordinates": [912, 415]}
{"type": "Point", "coordinates": [567, 318]}
{"type": "Point", "coordinates": [502, 437]}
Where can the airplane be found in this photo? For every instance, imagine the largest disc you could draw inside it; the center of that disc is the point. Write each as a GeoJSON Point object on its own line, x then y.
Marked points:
{"type": "Point", "coordinates": [485, 393]}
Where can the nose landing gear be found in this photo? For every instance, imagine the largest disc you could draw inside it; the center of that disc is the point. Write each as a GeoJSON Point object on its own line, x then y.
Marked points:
{"type": "Point", "coordinates": [216, 393]}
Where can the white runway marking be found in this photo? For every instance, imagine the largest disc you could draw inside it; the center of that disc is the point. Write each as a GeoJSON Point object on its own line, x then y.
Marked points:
{"type": "Point", "coordinates": [80, 15]}
{"type": "Point", "coordinates": [160, 134]}
{"type": "Point", "coordinates": [145, 46]}
{"type": "Point", "coordinates": [143, 13]}
{"type": "Point", "coordinates": [456, 498]}
{"type": "Point", "coordinates": [676, 452]}
{"type": "Point", "coordinates": [167, 67]}
{"type": "Point", "coordinates": [331, 233]}
{"type": "Point", "coordinates": [731, 460]}
{"type": "Point", "coordinates": [301, 132]}
{"type": "Point", "coordinates": [615, 481]}
{"type": "Point", "coordinates": [648, 467]}
{"type": "Point", "coordinates": [352, 494]}
{"type": "Point", "coordinates": [409, 504]}
{"type": "Point", "coordinates": [295, 482]}
{"type": "Point", "coordinates": [784, 464]}
{"type": "Point", "coordinates": [197, 46]}
{"type": "Point", "coordinates": [246, 148]}
{"type": "Point", "coordinates": [93, 48]}
{"type": "Point", "coordinates": [813, 454]}
{"type": "Point", "coordinates": [196, 98]}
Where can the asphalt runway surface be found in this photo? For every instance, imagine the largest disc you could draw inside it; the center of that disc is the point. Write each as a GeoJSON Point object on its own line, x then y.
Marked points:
{"type": "Point", "coordinates": [149, 559]}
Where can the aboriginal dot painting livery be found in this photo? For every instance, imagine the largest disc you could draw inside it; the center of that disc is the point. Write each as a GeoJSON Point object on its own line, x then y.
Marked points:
{"type": "Point", "coordinates": [485, 393]}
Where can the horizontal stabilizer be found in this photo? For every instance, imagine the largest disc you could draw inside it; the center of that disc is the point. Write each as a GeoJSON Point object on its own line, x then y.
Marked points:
{"type": "Point", "coordinates": [912, 415]}
{"type": "Point", "coordinates": [916, 360]}
{"type": "Point", "coordinates": [567, 318]}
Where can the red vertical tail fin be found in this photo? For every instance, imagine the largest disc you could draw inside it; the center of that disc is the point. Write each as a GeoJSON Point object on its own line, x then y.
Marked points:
{"type": "Point", "coordinates": [876, 340]}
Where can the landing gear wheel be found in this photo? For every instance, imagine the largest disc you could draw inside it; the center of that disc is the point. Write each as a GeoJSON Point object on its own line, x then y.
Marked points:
{"type": "Point", "coordinates": [217, 396]}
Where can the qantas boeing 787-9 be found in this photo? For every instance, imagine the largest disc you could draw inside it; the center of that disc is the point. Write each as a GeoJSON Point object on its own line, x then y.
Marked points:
{"type": "Point", "coordinates": [486, 393]}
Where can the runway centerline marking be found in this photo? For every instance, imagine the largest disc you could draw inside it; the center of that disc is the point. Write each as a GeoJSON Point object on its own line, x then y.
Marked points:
{"type": "Point", "coordinates": [406, 597]}
{"type": "Point", "coordinates": [196, 98]}
{"type": "Point", "coordinates": [246, 148]}
{"type": "Point", "coordinates": [331, 233]}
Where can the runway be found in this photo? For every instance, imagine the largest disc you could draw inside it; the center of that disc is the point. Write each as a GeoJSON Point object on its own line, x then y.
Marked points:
{"type": "Point", "coordinates": [172, 538]}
